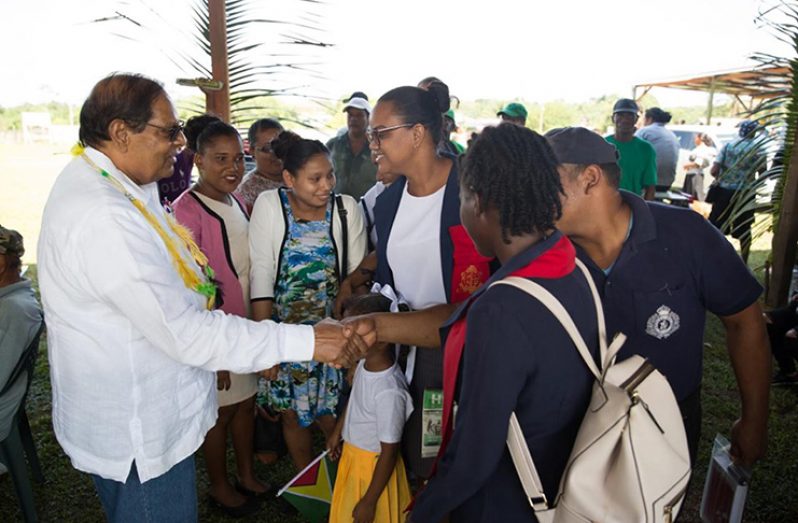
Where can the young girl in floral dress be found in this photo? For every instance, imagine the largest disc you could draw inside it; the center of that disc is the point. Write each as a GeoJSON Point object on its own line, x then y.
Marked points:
{"type": "Point", "coordinates": [303, 241]}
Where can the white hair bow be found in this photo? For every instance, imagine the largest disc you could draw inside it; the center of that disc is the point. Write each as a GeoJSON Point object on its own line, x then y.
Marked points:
{"type": "Point", "coordinates": [387, 291]}
{"type": "Point", "coordinates": [396, 300]}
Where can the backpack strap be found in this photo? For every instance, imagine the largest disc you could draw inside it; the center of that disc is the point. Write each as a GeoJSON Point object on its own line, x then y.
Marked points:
{"type": "Point", "coordinates": [525, 466]}
{"type": "Point", "coordinates": [558, 310]}
{"type": "Point", "coordinates": [516, 442]}
{"type": "Point", "coordinates": [339, 203]}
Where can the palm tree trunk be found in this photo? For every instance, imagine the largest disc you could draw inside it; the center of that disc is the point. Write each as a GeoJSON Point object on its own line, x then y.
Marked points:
{"type": "Point", "coordinates": [218, 102]}
{"type": "Point", "coordinates": [785, 237]}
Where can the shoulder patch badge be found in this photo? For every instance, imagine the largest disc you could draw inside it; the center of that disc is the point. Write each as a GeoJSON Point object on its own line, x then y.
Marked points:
{"type": "Point", "coordinates": [662, 323]}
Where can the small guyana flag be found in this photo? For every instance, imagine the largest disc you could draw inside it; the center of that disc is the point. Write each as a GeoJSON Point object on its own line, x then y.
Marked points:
{"type": "Point", "coordinates": [311, 490]}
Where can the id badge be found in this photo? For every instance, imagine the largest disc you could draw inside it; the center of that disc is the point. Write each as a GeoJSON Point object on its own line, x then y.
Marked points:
{"type": "Point", "coordinates": [431, 422]}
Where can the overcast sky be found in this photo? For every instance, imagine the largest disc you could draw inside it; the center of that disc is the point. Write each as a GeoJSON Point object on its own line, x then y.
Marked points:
{"type": "Point", "coordinates": [501, 49]}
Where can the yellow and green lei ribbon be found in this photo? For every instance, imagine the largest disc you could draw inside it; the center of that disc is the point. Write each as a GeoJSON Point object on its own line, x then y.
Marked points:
{"type": "Point", "coordinates": [206, 285]}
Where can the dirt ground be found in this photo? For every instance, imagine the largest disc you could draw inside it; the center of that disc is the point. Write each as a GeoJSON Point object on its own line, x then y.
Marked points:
{"type": "Point", "coordinates": [27, 173]}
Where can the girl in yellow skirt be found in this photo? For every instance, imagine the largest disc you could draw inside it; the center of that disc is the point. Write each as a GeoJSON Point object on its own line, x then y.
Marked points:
{"type": "Point", "coordinates": [371, 484]}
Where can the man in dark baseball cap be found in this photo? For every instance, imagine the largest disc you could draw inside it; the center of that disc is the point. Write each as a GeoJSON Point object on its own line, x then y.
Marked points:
{"type": "Point", "coordinates": [658, 269]}
{"type": "Point", "coordinates": [581, 146]}
{"type": "Point", "coordinates": [625, 105]}
{"type": "Point", "coordinates": [638, 161]}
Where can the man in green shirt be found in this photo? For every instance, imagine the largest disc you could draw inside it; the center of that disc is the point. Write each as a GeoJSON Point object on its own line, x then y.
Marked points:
{"type": "Point", "coordinates": [638, 161]}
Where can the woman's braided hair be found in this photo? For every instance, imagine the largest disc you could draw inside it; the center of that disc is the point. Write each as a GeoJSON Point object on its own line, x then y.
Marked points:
{"type": "Point", "coordinates": [513, 170]}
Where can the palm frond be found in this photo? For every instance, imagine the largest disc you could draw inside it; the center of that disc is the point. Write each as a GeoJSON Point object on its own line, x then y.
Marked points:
{"type": "Point", "coordinates": [259, 45]}
{"type": "Point", "coordinates": [778, 115]}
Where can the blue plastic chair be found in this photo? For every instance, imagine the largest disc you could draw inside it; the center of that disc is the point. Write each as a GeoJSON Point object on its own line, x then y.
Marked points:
{"type": "Point", "coordinates": [20, 438]}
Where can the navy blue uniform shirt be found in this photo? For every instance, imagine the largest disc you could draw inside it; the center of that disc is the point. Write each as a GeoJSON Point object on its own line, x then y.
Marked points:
{"type": "Point", "coordinates": [673, 268]}
{"type": "Point", "coordinates": [517, 357]}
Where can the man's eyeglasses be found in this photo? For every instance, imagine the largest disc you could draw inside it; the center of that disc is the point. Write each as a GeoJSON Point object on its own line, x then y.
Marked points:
{"type": "Point", "coordinates": [375, 135]}
{"type": "Point", "coordinates": [171, 132]}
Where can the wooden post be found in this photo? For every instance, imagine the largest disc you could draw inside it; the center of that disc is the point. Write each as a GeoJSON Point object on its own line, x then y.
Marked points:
{"type": "Point", "coordinates": [783, 246]}
{"type": "Point", "coordinates": [218, 102]}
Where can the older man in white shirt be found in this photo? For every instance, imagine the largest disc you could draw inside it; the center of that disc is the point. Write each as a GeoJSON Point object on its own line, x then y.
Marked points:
{"type": "Point", "coordinates": [132, 344]}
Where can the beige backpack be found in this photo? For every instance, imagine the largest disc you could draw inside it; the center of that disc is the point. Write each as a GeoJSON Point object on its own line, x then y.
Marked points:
{"type": "Point", "coordinates": [630, 460]}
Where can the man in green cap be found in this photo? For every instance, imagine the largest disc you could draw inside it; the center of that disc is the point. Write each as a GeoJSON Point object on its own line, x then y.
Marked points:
{"type": "Point", "coordinates": [450, 126]}
{"type": "Point", "coordinates": [513, 112]}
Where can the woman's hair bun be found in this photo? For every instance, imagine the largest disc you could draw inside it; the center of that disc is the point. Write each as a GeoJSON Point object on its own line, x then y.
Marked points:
{"type": "Point", "coordinates": [283, 143]}
{"type": "Point", "coordinates": [195, 126]}
{"type": "Point", "coordinates": [658, 115]}
{"type": "Point", "coordinates": [441, 93]}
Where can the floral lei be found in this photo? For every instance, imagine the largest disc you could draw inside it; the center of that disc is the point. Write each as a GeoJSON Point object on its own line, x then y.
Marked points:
{"type": "Point", "coordinates": [206, 285]}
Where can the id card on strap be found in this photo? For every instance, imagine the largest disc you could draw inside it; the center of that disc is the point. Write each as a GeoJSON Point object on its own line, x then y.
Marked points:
{"type": "Point", "coordinates": [431, 422]}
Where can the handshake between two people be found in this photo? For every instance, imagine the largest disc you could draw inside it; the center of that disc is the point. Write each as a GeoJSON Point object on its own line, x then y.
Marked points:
{"type": "Point", "coordinates": [343, 343]}
{"type": "Point", "coordinates": [339, 343]}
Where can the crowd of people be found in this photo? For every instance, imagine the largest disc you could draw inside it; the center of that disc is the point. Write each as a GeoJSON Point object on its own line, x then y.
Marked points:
{"type": "Point", "coordinates": [179, 312]}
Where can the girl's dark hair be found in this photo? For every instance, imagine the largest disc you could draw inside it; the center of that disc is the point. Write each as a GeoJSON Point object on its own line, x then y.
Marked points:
{"type": "Point", "coordinates": [196, 127]}
{"type": "Point", "coordinates": [127, 97]}
{"type": "Point", "coordinates": [368, 303]}
{"type": "Point", "coordinates": [294, 150]}
{"type": "Point", "coordinates": [420, 106]}
{"type": "Point", "coordinates": [261, 125]}
{"type": "Point", "coordinates": [658, 115]}
{"type": "Point", "coordinates": [513, 170]}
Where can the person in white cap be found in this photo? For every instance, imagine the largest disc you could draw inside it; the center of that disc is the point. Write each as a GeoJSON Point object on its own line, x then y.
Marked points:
{"type": "Point", "coordinates": [354, 171]}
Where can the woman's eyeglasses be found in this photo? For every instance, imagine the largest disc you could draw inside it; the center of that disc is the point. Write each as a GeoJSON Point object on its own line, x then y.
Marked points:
{"type": "Point", "coordinates": [375, 135]}
{"type": "Point", "coordinates": [171, 132]}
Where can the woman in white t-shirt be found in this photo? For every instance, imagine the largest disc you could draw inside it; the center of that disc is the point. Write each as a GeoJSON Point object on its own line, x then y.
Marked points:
{"type": "Point", "coordinates": [423, 251]}
{"type": "Point", "coordinates": [371, 483]}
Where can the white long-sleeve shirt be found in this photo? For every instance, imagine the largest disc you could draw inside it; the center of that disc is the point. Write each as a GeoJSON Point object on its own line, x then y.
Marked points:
{"type": "Point", "coordinates": [131, 348]}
